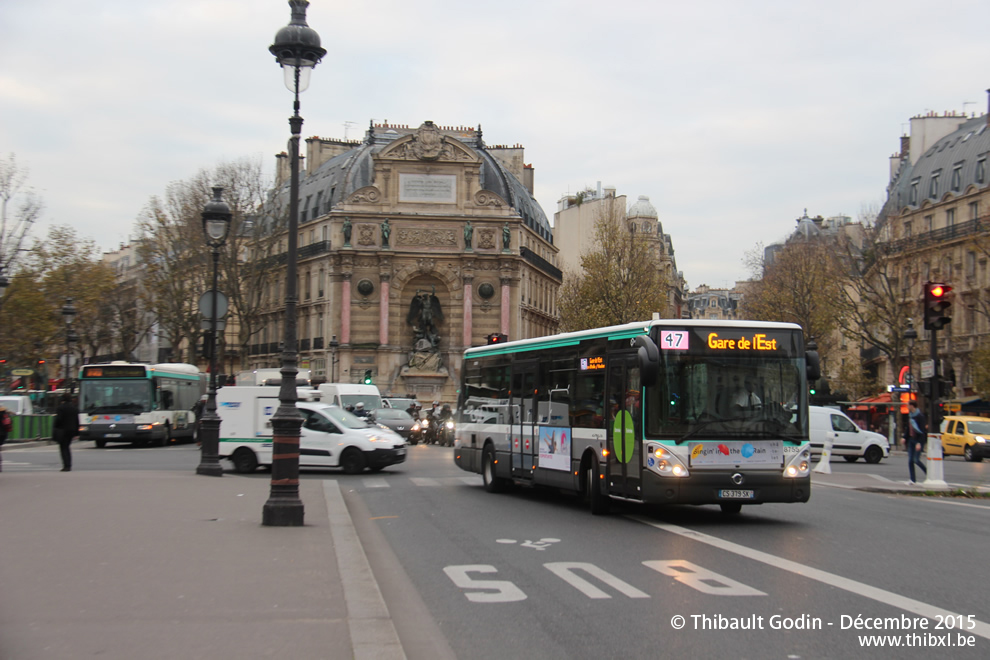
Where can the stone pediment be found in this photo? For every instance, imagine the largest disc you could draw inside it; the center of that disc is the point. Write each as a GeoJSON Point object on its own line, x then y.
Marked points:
{"type": "Point", "coordinates": [429, 144]}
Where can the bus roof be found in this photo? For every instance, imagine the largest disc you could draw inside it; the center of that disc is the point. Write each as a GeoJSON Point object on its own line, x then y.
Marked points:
{"type": "Point", "coordinates": [625, 331]}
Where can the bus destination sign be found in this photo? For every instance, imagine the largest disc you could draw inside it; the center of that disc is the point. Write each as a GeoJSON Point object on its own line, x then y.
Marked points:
{"type": "Point", "coordinates": [593, 363]}
{"type": "Point", "coordinates": [114, 371]}
{"type": "Point", "coordinates": [722, 341]}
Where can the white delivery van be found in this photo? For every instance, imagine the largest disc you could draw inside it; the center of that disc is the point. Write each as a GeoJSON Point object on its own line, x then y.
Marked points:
{"type": "Point", "coordinates": [350, 394]}
{"type": "Point", "coordinates": [272, 376]}
{"type": "Point", "coordinates": [848, 440]}
{"type": "Point", "coordinates": [330, 436]}
{"type": "Point", "coordinates": [17, 404]}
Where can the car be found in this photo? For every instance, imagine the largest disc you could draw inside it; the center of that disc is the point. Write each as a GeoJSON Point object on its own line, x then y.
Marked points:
{"type": "Point", "coordinates": [397, 420]}
{"type": "Point", "coordinates": [966, 436]}
{"type": "Point", "coordinates": [848, 440]}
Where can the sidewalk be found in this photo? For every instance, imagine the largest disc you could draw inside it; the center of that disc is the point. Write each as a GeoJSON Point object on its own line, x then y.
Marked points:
{"type": "Point", "coordinates": [125, 565]}
{"type": "Point", "coordinates": [876, 483]}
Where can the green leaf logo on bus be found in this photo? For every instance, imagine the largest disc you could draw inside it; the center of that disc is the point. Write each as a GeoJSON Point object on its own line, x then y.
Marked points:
{"type": "Point", "coordinates": [623, 436]}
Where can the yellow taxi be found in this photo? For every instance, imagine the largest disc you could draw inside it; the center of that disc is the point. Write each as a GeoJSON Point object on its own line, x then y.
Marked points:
{"type": "Point", "coordinates": [968, 437]}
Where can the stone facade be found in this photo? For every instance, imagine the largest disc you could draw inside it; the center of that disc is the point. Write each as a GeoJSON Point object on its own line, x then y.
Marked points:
{"type": "Point", "coordinates": [414, 244]}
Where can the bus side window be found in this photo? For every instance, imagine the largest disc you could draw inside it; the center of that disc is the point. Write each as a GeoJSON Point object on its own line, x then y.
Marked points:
{"type": "Point", "coordinates": [167, 400]}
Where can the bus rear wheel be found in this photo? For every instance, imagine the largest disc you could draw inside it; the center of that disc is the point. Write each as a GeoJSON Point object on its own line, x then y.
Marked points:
{"type": "Point", "coordinates": [598, 502]}
{"type": "Point", "coordinates": [493, 484]}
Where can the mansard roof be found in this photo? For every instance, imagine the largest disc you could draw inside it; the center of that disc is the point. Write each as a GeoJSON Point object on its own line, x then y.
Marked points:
{"type": "Point", "coordinates": [336, 179]}
{"type": "Point", "coordinates": [948, 167]}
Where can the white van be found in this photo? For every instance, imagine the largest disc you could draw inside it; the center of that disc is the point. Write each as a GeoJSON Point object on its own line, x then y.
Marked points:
{"type": "Point", "coordinates": [848, 440]}
{"type": "Point", "coordinates": [351, 394]}
{"type": "Point", "coordinates": [17, 404]}
{"type": "Point", "coordinates": [330, 436]}
{"type": "Point", "coordinates": [270, 376]}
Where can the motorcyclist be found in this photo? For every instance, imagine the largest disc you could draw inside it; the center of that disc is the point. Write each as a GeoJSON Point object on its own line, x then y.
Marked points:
{"type": "Point", "coordinates": [433, 424]}
{"type": "Point", "coordinates": [446, 436]}
{"type": "Point", "coordinates": [359, 410]}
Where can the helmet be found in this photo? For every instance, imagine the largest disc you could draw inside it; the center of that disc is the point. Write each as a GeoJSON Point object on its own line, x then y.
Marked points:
{"type": "Point", "coordinates": [436, 403]}
{"type": "Point", "coordinates": [359, 406]}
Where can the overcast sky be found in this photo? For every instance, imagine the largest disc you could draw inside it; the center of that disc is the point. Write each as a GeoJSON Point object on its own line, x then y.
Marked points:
{"type": "Point", "coordinates": [732, 116]}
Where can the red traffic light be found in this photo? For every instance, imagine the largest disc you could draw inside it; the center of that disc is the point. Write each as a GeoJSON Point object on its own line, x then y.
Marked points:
{"type": "Point", "coordinates": [497, 338]}
{"type": "Point", "coordinates": [41, 361]}
{"type": "Point", "coordinates": [939, 290]}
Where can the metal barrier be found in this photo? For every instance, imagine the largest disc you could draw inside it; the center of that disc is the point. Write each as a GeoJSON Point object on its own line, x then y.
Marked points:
{"type": "Point", "coordinates": [31, 427]}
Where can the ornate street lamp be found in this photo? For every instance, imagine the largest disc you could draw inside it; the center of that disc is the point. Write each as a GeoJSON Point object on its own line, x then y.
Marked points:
{"type": "Point", "coordinates": [216, 224]}
{"type": "Point", "coordinates": [297, 49]}
{"type": "Point", "coordinates": [68, 315]}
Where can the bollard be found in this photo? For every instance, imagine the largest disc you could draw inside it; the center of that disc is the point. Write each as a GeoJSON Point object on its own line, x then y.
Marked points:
{"type": "Point", "coordinates": [824, 466]}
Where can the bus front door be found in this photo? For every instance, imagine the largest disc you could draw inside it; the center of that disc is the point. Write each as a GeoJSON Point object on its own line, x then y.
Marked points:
{"type": "Point", "coordinates": [624, 430]}
{"type": "Point", "coordinates": [522, 406]}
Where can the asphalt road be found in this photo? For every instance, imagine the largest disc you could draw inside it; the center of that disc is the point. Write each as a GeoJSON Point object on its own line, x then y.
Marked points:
{"type": "Point", "coordinates": [531, 573]}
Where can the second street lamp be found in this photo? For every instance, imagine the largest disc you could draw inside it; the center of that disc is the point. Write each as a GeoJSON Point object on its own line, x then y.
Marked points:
{"type": "Point", "coordinates": [68, 315]}
{"type": "Point", "coordinates": [216, 224]}
{"type": "Point", "coordinates": [297, 49]}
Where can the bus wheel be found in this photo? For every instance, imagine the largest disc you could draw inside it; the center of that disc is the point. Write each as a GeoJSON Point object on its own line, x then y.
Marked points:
{"type": "Point", "coordinates": [731, 508]}
{"type": "Point", "coordinates": [597, 501]}
{"type": "Point", "coordinates": [492, 483]}
{"type": "Point", "coordinates": [352, 461]}
{"type": "Point", "coordinates": [245, 461]}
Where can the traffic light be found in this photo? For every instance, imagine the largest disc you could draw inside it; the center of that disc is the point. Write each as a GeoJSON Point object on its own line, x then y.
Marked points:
{"type": "Point", "coordinates": [945, 389]}
{"type": "Point", "coordinates": [367, 377]}
{"type": "Point", "coordinates": [497, 338]}
{"type": "Point", "coordinates": [937, 305]}
{"type": "Point", "coordinates": [41, 363]}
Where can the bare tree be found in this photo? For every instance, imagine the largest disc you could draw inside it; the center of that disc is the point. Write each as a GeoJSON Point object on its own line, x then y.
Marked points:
{"type": "Point", "coordinates": [20, 207]}
{"type": "Point", "coordinates": [621, 279]}
{"type": "Point", "coordinates": [178, 262]}
{"type": "Point", "coordinates": [798, 286]}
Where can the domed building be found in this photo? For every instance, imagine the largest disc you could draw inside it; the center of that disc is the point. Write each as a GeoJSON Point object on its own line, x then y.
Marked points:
{"type": "Point", "coordinates": [414, 244]}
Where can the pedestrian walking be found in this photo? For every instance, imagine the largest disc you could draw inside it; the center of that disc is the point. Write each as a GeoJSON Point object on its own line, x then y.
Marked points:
{"type": "Point", "coordinates": [5, 425]}
{"type": "Point", "coordinates": [65, 428]}
{"type": "Point", "coordinates": [915, 437]}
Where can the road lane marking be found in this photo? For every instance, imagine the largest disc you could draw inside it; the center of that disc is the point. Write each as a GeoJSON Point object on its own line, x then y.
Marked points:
{"type": "Point", "coordinates": [881, 595]}
{"type": "Point", "coordinates": [376, 482]}
{"type": "Point", "coordinates": [702, 579]}
{"type": "Point", "coordinates": [424, 481]}
{"type": "Point", "coordinates": [566, 571]}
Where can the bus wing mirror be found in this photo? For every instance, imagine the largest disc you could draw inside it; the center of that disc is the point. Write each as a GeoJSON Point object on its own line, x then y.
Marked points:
{"type": "Point", "coordinates": [814, 366]}
{"type": "Point", "coordinates": [649, 359]}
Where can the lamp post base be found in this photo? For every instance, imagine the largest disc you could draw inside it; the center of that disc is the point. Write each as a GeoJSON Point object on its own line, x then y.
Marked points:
{"type": "Point", "coordinates": [210, 469]}
{"type": "Point", "coordinates": [282, 512]}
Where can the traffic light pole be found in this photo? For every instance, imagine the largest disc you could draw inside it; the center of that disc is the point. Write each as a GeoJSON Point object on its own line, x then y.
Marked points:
{"type": "Point", "coordinates": [934, 474]}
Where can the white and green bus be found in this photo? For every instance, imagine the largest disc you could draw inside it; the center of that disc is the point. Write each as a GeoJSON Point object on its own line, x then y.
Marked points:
{"type": "Point", "coordinates": [664, 412]}
{"type": "Point", "coordinates": [139, 403]}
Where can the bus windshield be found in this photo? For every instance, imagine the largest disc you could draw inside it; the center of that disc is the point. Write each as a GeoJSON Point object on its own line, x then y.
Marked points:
{"type": "Point", "coordinates": [729, 397]}
{"type": "Point", "coordinates": [110, 395]}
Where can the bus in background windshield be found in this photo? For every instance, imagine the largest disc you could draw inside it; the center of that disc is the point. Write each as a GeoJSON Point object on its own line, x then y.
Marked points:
{"type": "Point", "coordinates": [138, 403]}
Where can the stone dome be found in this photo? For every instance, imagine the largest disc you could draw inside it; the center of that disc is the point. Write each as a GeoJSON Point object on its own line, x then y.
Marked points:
{"type": "Point", "coordinates": [642, 209]}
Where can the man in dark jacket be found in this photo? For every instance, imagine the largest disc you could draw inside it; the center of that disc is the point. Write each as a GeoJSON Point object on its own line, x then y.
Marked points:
{"type": "Point", "coordinates": [916, 436]}
{"type": "Point", "coordinates": [65, 428]}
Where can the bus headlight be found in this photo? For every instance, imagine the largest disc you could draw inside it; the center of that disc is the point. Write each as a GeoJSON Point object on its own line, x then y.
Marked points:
{"type": "Point", "coordinates": [664, 462]}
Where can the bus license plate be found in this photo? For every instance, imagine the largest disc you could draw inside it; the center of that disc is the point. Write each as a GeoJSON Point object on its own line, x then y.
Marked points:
{"type": "Point", "coordinates": [737, 494]}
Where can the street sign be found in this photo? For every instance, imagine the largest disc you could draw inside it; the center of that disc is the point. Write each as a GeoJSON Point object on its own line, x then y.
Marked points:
{"type": "Point", "coordinates": [898, 388]}
{"type": "Point", "coordinates": [953, 407]}
{"type": "Point", "coordinates": [22, 372]}
{"type": "Point", "coordinates": [206, 304]}
{"type": "Point", "coordinates": [928, 368]}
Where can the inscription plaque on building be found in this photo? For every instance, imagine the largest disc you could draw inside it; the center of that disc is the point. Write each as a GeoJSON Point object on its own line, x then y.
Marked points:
{"type": "Point", "coordinates": [429, 188]}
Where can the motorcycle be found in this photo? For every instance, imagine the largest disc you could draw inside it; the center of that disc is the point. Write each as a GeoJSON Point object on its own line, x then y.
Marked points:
{"type": "Point", "coordinates": [447, 433]}
{"type": "Point", "coordinates": [417, 432]}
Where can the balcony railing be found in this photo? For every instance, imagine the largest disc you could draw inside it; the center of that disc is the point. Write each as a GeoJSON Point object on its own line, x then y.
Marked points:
{"type": "Point", "coordinates": [541, 263]}
{"type": "Point", "coordinates": [936, 236]}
